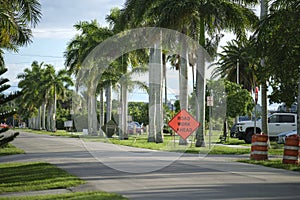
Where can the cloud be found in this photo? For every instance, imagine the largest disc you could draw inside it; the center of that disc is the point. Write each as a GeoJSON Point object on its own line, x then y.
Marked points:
{"type": "Point", "coordinates": [59, 16]}
{"type": "Point", "coordinates": [59, 33]}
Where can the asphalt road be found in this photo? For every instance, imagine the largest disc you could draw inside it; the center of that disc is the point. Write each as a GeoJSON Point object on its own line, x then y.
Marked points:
{"type": "Point", "coordinates": [144, 174]}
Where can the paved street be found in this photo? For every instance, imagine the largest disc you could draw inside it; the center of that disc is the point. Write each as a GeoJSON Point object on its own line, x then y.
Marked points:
{"type": "Point", "coordinates": [145, 174]}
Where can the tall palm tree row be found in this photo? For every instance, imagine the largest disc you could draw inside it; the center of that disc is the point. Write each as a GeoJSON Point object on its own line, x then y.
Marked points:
{"type": "Point", "coordinates": [76, 54]}
{"type": "Point", "coordinates": [91, 34]}
{"type": "Point", "coordinates": [41, 87]}
{"type": "Point", "coordinates": [196, 19]}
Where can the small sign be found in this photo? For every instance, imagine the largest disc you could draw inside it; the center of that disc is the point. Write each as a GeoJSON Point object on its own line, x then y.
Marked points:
{"type": "Point", "coordinates": [68, 124]}
{"type": "Point", "coordinates": [210, 101]}
{"type": "Point", "coordinates": [184, 124]}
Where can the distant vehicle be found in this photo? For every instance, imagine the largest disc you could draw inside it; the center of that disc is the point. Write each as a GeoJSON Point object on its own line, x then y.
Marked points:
{"type": "Point", "coordinates": [233, 131]}
{"type": "Point", "coordinates": [278, 123]}
{"type": "Point", "coordinates": [282, 136]}
{"type": "Point", "coordinates": [167, 129]}
{"type": "Point", "coordinates": [135, 125]}
{"type": "Point", "coordinates": [3, 125]}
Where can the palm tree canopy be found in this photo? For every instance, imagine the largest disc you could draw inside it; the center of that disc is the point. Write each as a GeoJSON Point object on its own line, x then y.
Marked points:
{"type": "Point", "coordinates": [16, 18]}
{"type": "Point", "coordinates": [238, 54]}
{"type": "Point", "coordinates": [91, 34]}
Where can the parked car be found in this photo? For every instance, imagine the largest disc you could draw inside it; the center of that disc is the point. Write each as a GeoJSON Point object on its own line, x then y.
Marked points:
{"type": "Point", "coordinates": [277, 122]}
{"type": "Point", "coordinates": [167, 129]}
{"type": "Point", "coordinates": [233, 131]}
{"type": "Point", "coordinates": [281, 137]}
{"type": "Point", "coordinates": [135, 125]}
{"type": "Point", "coordinates": [3, 125]}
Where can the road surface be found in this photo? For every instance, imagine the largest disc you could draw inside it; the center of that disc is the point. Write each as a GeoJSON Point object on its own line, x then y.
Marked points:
{"type": "Point", "coordinates": [145, 174]}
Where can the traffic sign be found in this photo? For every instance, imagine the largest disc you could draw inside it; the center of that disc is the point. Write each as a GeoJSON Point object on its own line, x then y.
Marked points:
{"type": "Point", "coordinates": [210, 101]}
{"type": "Point", "coordinates": [184, 124]}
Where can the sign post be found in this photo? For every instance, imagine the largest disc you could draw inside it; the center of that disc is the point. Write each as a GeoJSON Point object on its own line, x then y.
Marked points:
{"type": "Point", "coordinates": [184, 124]}
{"type": "Point", "coordinates": [210, 104]}
{"type": "Point", "coordinates": [256, 99]}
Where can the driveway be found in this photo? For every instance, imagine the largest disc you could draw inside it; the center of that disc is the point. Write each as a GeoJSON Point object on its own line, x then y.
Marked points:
{"type": "Point", "coordinates": [145, 174]}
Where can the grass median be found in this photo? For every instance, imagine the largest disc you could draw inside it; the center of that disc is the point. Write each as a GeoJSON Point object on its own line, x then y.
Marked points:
{"type": "Point", "coordinates": [19, 177]}
{"type": "Point", "coordinates": [34, 176]}
{"type": "Point", "coordinates": [10, 150]}
{"type": "Point", "coordinates": [274, 163]}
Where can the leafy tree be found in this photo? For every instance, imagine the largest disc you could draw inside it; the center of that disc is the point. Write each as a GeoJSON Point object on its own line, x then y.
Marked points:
{"type": "Point", "coordinates": [279, 46]}
{"type": "Point", "coordinates": [138, 111]}
{"type": "Point", "coordinates": [279, 42]}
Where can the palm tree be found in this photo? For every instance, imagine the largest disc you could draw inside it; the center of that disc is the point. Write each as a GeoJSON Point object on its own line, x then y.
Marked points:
{"type": "Point", "coordinates": [16, 18]}
{"type": "Point", "coordinates": [77, 50]}
{"type": "Point", "coordinates": [238, 54]}
{"type": "Point", "coordinates": [195, 18]}
{"type": "Point", "coordinates": [32, 94]}
{"type": "Point", "coordinates": [135, 60]}
{"type": "Point", "coordinates": [56, 85]}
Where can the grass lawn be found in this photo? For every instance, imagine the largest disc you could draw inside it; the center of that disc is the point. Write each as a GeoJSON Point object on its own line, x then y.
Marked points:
{"type": "Point", "coordinates": [170, 145]}
{"type": "Point", "coordinates": [276, 163]}
{"type": "Point", "coordinates": [57, 133]}
{"type": "Point", "coordinates": [17, 177]}
{"type": "Point", "coordinates": [10, 150]}
{"type": "Point", "coordinates": [74, 196]}
{"type": "Point", "coordinates": [22, 177]}
{"type": "Point", "coordinates": [140, 141]}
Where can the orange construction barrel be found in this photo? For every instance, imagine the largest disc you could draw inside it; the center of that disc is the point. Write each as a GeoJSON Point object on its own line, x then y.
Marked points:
{"type": "Point", "coordinates": [259, 147]}
{"type": "Point", "coordinates": [291, 150]}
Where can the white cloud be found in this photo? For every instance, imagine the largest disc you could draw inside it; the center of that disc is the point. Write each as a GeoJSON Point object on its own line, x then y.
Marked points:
{"type": "Point", "coordinates": [59, 33]}
{"type": "Point", "coordinates": [59, 16]}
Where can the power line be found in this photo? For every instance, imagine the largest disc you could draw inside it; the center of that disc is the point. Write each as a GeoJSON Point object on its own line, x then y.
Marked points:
{"type": "Point", "coordinates": [45, 61]}
{"type": "Point", "coordinates": [35, 55]}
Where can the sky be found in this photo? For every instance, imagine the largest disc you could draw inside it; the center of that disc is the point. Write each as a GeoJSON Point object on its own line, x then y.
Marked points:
{"type": "Point", "coordinates": [55, 30]}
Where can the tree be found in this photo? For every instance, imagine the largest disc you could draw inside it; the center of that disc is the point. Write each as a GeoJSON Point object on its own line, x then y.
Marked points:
{"type": "Point", "coordinates": [56, 85]}
{"type": "Point", "coordinates": [196, 19]}
{"type": "Point", "coordinates": [128, 64]}
{"type": "Point", "coordinates": [238, 57]}
{"type": "Point", "coordinates": [33, 95]}
{"type": "Point", "coordinates": [279, 46]}
{"type": "Point", "coordinates": [16, 18]}
{"type": "Point", "coordinates": [5, 111]}
{"type": "Point", "coordinates": [41, 93]}
{"type": "Point", "coordinates": [77, 50]}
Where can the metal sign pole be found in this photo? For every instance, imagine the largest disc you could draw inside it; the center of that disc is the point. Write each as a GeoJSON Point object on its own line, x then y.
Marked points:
{"type": "Point", "coordinates": [210, 104]}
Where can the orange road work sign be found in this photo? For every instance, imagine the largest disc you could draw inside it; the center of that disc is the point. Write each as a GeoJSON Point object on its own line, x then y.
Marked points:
{"type": "Point", "coordinates": [184, 124]}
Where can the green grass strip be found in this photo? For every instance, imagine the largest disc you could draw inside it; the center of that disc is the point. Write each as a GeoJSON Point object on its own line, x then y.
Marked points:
{"type": "Point", "coordinates": [10, 150]}
{"type": "Point", "coordinates": [17, 177]}
{"type": "Point", "coordinates": [73, 196]}
{"type": "Point", "coordinates": [274, 163]}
